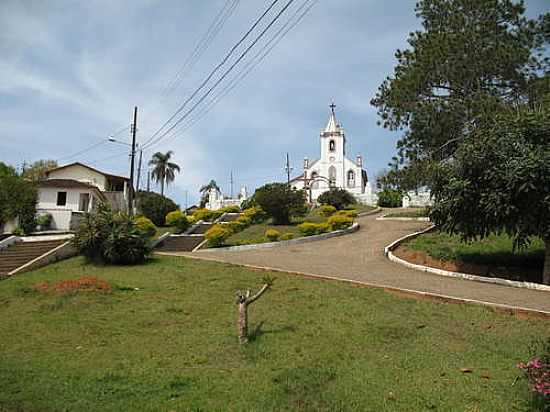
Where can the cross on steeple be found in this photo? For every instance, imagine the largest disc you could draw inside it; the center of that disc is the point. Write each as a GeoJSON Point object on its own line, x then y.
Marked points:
{"type": "Point", "coordinates": [332, 107]}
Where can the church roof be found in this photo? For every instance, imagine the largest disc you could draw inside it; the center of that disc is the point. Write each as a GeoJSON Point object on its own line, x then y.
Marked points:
{"type": "Point", "coordinates": [332, 126]}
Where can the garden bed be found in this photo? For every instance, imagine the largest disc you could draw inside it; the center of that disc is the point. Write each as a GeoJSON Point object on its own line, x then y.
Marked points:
{"type": "Point", "coordinates": [411, 213]}
{"type": "Point", "coordinates": [493, 257]}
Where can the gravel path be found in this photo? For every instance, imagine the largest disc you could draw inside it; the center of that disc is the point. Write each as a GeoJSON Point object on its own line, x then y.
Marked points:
{"type": "Point", "coordinates": [360, 257]}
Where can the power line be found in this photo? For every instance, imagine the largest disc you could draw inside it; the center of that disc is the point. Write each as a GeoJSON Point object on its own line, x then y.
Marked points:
{"type": "Point", "coordinates": [202, 46]}
{"type": "Point", "coordinates": [214, 71]}
{"type": "Point", "coordinates": [204, 96]}
{"type": "Point", "coordinates": [251, 64]}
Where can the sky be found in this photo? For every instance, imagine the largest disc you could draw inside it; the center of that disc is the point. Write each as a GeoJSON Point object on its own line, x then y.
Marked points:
{"type": "Point", "coordinates": [72, 71]}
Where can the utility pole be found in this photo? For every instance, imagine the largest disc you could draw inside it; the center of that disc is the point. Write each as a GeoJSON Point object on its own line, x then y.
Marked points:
{"type": "Point", "coordinates": [139, 169]}
{"type": "Point", "coordinates": [131, 194]}
{"type": "Point", "coordinates": [231, 183]}
{"type": "Point", "coordinates": [148, 180]}
{"type": "Point", "coordinates": [288, 169]}
{"type": "Point", "coordinates": [186, 205]}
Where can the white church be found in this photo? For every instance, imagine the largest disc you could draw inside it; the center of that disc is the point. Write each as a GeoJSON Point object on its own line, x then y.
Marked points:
{"type": "Point", "coordinates": [333, 169]}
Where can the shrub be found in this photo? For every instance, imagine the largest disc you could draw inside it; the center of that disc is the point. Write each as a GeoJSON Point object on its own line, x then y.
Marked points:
{"type": "Point", "coordinates": [155, 207]}
{"type": "Point", "coordinates": [18, 231]}
{"type": "Point", "coordinates": [287, 236]}
{"type": "Point", "coordinates": [240, 224]}
{"type": "Point", "coordinates": [327, 210]}
{"type": "Point", "coordinates": [339, 222]}
{"type": "Point", "coordinates": [44, 221]}
{"type": "Point", "coordinates": [145, 226]}
{"type": "Point", "coordinates": [338, 198]}
{"type": "Point", "coordinates": [272, 235]}
{"type": "Point", "coordinates": [256, 214]}
{"type": "Point", "coordinates": [218, 234]}
{"type": "Point", "coordinates": [18, 198]}
{"type": "Point", "coordinates": [107, 237]}
{"type": "Point", "coordinates": [348, 213]}
{"type": "Point", "coordinates": [390, 198]}
{"type": "Point", "coordinates": [177, 219]}
{"type": "Point", "coordinates": [309, 229]}
{"type": "Point", "coordinates": [206, 215]}
{"type": "Point", "coordinates": [281, 202]}
{"type": "Point", "coordinates": [231, 209]}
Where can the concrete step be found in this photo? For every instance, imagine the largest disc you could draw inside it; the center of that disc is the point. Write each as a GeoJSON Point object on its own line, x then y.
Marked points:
{"type": "Point", "coordinates": [20, 253]}
{"type": "Point", "coordinates": [183, 243]}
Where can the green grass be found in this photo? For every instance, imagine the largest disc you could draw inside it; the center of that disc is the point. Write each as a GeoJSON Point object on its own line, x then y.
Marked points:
{"type": "Point", "coordinates": [413, 212]}
{"type": "Point", "coordinates": [317, 345]}
{"type": "Point", "coordinates": [496, 249]}
{"type": "Point", "coordinates": [361, 208]}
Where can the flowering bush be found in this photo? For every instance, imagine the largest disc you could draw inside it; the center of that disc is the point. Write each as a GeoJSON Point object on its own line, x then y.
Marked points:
{"type": "Point", "coordinates": [310, 229]}
{"type": "Point", "coordinates": [146, 226]}
{"type": "Point", "coordinates": [339, 222]}
{"type": "Point", "coordinates": [327, 210]}
{"type": "Point", "coordinates": [537, 371]}
{"type": "Point", "coordinates": [255, 214]}
{"type": "Point", "coordinates": [177, 219]}
{"type": "Point", "coordinates": [83, 284]}
{"type": "Point", "coordinates": [206, 214]}
{"type": "Point", "coordinates": [272, 235]}
{"type": "Point", "coordinates": [287, 236]}
{"type": "Point", "coordinates": [218, 234]}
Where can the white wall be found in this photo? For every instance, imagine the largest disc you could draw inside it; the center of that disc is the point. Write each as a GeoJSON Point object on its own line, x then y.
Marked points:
{"type": "Point", "coordinates": [81, 174]}
{"type": "Point", "coordinates": [61, 215]}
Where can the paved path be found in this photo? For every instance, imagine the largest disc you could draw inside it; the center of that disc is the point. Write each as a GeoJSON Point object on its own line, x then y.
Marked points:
{"type": "Point", "coordinates": [360, 256]}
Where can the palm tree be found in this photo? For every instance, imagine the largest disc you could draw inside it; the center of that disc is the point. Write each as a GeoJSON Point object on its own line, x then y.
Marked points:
{"type": "Point", "coordinates": [163, 169]}
{"type": "Point", "coordinates": [206, 188]}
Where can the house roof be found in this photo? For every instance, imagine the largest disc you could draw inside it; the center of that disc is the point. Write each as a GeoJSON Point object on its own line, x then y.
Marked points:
{"type": "Point", "coordinates": [87, 167]}
{"type": "Point", "coordinates": [69, 184]}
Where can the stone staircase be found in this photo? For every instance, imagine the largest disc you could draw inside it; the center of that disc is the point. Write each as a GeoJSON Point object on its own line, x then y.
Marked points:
{"type": "Point", "coordinates": [20, 253]}
{"type": "Point", "coordinates": [200, 228]}
{"type": "Point", "coordinates": [180, 243]}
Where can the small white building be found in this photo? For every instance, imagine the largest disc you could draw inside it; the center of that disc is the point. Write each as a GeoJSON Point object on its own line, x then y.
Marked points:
{"type": "Point", "coordinates": [71, 190]}
{"type": "Point", "coordinates": [216, 200]}
{"type": "Point", "coordinates": [333, 169]}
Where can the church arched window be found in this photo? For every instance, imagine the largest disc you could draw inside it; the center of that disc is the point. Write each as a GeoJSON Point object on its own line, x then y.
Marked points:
{"type": "Point", "coordinates": [314, 184]}
{"type": "Point", "coordinates": [332, 145]}
{"type": "Point", "coordinates": [332, 176]}
{"type": "Point", "coordinates": [351, 178]}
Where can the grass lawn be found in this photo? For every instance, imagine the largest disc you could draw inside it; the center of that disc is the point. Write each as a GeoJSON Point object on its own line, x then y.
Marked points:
{"type": "Point", "coordinates": [413, 212]}
{"type": "Point", "coordinates": [361, 208]}
{"type": "Point", "coordinates": [496, 249]}
{"type": "Point", "coordinates": [317, 346]}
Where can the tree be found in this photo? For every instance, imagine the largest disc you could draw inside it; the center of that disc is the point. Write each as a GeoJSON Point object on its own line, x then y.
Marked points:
{"type": "Point", "coordinates": [18, 199]}
{"type": "Point", "coordinates": [37, 170]}
{"type": "Point", "coordinates": [339, 198]}
{"type": "Point", "coordinates": [280, 202]}
{"type": "Point", "coordinates": [390, 198]}
{"type": "Point", "coordinates": [164, 171]}
{"type": "Point", "coordinates": [499, 181]}
{"type": "Point", "coordinates": [473, 59]}
{"type": "Point", "coordinates": [7, 170]}
{"type": "Point", "coordinates": [155, 206]}
{"type": "Point", "coordinates": [205, 189]}
{"type": "Point", "coordinates": [244, 300]}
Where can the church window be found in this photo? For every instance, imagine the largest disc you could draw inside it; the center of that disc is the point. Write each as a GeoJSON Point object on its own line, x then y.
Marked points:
{"type": "Point", "coordinates": [332, 146]}
{"type": "Point", "coordinates": [351, 178]}
{"type": "Point", "coordinates": [332, 176]}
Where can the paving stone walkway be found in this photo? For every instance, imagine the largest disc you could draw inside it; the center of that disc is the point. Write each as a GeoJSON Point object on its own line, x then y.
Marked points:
{"type": "Point", "coordinates": [360, 257]}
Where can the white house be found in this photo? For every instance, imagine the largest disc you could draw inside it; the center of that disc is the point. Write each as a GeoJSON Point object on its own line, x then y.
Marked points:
{"type": "Point", "coordinates": [333, 168]}
{"type": "Point", "coordinates": [216, 200]}
{"type": "Point", "coordinates": [71, 190]}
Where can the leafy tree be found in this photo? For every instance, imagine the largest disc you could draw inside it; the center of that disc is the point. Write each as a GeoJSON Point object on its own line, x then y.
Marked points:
{"type": "Point", "coordinates": [164, 171]}
{"type": "Point", "coordinates": [37, 170]}
{"type": "Point", "coordinates": [499, 181]}
{"type": "Point", "coordinates": [18, 199]}
{"type": "Point", "coordinates": [280, 202]}
{"type": "Point", "coordinates": [155, 206]}
{"type": "Point", "coordinates": [471, 60]}
{"type": "Point", "coordinates": [390, 198]}
{"type": "Point", "coordinates": [339, 198]}
{"type": "Point", "coordinates": [7, 170]}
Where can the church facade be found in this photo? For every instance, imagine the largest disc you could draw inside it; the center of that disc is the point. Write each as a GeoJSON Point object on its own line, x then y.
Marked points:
{"type": "Point", "coordinates": [333, 169]}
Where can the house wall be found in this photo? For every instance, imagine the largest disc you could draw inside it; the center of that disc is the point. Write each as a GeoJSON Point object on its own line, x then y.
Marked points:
{"type": "Point", "coordinates": [81, 174]}
{"type": "Point", "coordinates": [61, 215]}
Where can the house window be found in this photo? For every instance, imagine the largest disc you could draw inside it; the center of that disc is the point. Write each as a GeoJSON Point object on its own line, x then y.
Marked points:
{"type": "Point", "coordinates": [351, 179]}
{"type": "Point", "coordinates": [332, 176]}
{"type": "Point", "coordinates": [83, 202]}
{"type": "Point", "coordinates": [61, 198]}
{"type": "Point", "coordinates": [332, 146]}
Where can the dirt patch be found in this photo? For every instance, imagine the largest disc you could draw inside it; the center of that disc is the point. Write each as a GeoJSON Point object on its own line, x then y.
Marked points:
{"type": "Point", "coordinates": [490, 271]}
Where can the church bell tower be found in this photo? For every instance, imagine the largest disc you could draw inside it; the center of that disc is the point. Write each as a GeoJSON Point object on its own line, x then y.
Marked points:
{"type": "Point", "coordinates": [333, 149]}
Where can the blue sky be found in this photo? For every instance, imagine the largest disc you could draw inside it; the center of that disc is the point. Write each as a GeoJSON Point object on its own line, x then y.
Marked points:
{"type": "Point", "coordinates": [72, 71]}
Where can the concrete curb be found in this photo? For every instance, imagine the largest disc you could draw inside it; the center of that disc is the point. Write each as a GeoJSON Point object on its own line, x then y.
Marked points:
{"type": "Point", "coordinates": [306, 239]}
{"type": "Point", "coordinates": [497, 307]}
{"type": "Point", "coordinates": [404, 219]}
{"type": "Point", "coordinates": [9, 241]}
{"type": "Point", "coordinates": [160, 239]}
{"type": "Point", "coordinates": [466, 276]}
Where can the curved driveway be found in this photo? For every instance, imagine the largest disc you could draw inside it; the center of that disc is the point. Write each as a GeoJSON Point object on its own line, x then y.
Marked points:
{"type": "Point", "coordinates": [360, 257]}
